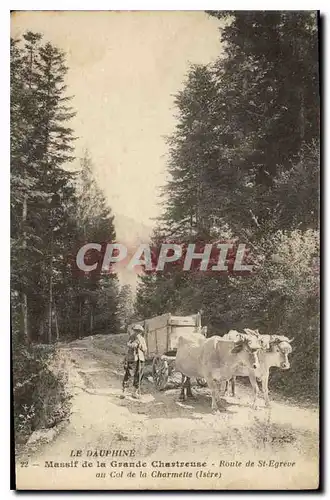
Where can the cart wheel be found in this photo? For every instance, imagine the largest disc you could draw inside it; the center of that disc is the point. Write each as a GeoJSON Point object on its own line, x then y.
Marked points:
{"type": "Point", "coordinates": [201, 382]}
{"type": "Point", "coordinates": [160, 372]}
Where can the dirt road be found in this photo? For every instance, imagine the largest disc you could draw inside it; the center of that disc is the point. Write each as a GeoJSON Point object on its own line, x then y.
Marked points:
{"type": "Point", "coordinates": [241, 448]}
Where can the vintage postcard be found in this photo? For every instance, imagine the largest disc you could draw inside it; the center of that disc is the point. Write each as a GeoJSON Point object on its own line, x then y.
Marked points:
{"type": "Point", "coordinates": [165, 250]}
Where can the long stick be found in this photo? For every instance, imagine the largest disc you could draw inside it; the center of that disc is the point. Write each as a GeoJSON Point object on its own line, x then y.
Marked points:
{"type": "Point", "coordinates": [140, 376]}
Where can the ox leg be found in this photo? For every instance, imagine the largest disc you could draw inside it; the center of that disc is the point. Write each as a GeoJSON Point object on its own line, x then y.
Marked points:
{"type": "Point", "coordinates": [213, 388]}
{"type": "Point", "coordinates": [264, 385]}
{"type": "Point", "coordinates": [231, 382]}
{"type": "Point", "coordinates": [216, 387]}
{"type": "Point", "coordinates": [233, 386]}
{"type": "Point", "coordinates": [182, 396]}
{"type": "Point", "coordinates": [188, 387]}
{"type": "Point", "coordinates": [219, 392]}
{"type": "Point", "coordinates": [255, 388]}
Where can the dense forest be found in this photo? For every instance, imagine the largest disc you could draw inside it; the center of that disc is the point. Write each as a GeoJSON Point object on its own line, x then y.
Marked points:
{"type": "Point", "coordinates": [244, 165]}
{"type": "Point", "coordinates": [54, 210]}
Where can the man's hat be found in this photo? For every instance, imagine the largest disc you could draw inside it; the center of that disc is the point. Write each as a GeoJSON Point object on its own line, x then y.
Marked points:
{"type": "Point", "coordinates": [138, 328]}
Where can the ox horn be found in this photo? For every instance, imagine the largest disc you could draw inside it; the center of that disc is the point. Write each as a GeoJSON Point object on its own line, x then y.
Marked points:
{"type": "Point", "coordinates": [290, 340]}
{"type": "Point", "coordinates": [252, 332]}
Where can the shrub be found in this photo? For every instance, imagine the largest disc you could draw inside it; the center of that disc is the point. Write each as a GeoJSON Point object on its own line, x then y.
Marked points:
{"type": "Point", "coordinates": [41, 399]}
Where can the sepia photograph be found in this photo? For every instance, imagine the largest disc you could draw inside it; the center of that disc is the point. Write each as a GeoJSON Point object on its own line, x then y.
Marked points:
{"type": "Point", "coordinates": [165, 245]}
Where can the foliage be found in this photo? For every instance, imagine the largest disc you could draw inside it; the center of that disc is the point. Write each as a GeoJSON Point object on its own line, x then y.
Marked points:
{"type": "Point", "coordinates": [244, 165]}
{"type": "Point", "coordinates": [53, 211]}
{"type": "Point", "coordinates": [93, 296]}
{"type": "Point", "coordinates": [41, 398]}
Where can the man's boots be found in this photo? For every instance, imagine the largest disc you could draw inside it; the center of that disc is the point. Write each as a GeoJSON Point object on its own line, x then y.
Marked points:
{"type": "Point", "coordinates": [123, 394]}
{"type": "Point", "coordinates": [136, 393]}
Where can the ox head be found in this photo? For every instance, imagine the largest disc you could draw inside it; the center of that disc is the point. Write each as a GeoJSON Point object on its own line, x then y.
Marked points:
{"type": "Point", "coordinates": [204, 331]}
{"type": "Point", "coordinates": [280, 345]}
{"type": "Point", "coordinates": [250, 344]}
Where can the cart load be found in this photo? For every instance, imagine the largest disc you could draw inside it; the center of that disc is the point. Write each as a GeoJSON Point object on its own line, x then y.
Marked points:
{"type": "Point", "coordinates": [161, 336]}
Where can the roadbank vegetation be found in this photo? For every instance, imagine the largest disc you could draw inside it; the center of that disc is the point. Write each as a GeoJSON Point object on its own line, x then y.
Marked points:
{"type": "Point", "coordinates": [244, 166]}
{"type": "Point", "coordinates": [54, 208]}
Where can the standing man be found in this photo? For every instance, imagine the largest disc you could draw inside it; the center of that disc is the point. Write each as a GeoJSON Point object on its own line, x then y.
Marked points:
{"type": "Point", "coordinates": [135, 356]}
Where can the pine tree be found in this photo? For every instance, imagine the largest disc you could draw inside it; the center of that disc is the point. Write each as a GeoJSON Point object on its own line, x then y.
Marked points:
{"type": "Point", "coordinates": [125, 307]}
{"type": "Point", "coordinates": [244, 164]}
{"type": "Point", "coordinates": [191, 151]}
{"type": "Point", "coordinates": [269, 81]}
{"type": "Point", "coordinates": [96, 224]}
{"type": "Point", "coordinates": [23, 172]}
{"type": "Point", "coordinates": [53, 145]}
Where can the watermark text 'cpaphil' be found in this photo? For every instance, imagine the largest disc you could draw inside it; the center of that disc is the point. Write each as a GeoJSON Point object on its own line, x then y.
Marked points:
{"type": "Point", "coordinates": [220, 257]}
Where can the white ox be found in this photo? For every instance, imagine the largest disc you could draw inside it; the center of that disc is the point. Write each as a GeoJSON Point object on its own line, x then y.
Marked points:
{"type": "Point", "coordinates": [215, 359]}
{"type": "Point", "coordinates": [275, 351]}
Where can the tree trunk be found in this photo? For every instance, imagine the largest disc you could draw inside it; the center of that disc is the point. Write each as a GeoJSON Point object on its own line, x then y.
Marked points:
{"type": "Point", "coordinates": [91, 322]}
{"type": "Point", "coordinates": [80, 320]}
{"type": "Point", "coordinates": [56, 324]}
{"type": "Point", "coordinates": [50, 309]}
{"type": "Point", "coordinates": [50, 300]}
{"type": "Point", "coordinates": [41, 332]}
{"type": "Point", "coordinates": [24, 301]}
{"type": "Point", "coordinates": [302, 118]}
{"type": "Point", "coordinates": [24, 306]}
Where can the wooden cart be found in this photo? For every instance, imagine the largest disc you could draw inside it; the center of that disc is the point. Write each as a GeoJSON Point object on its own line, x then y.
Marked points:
{"type": "Point", "coordinates": [161, 335]}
